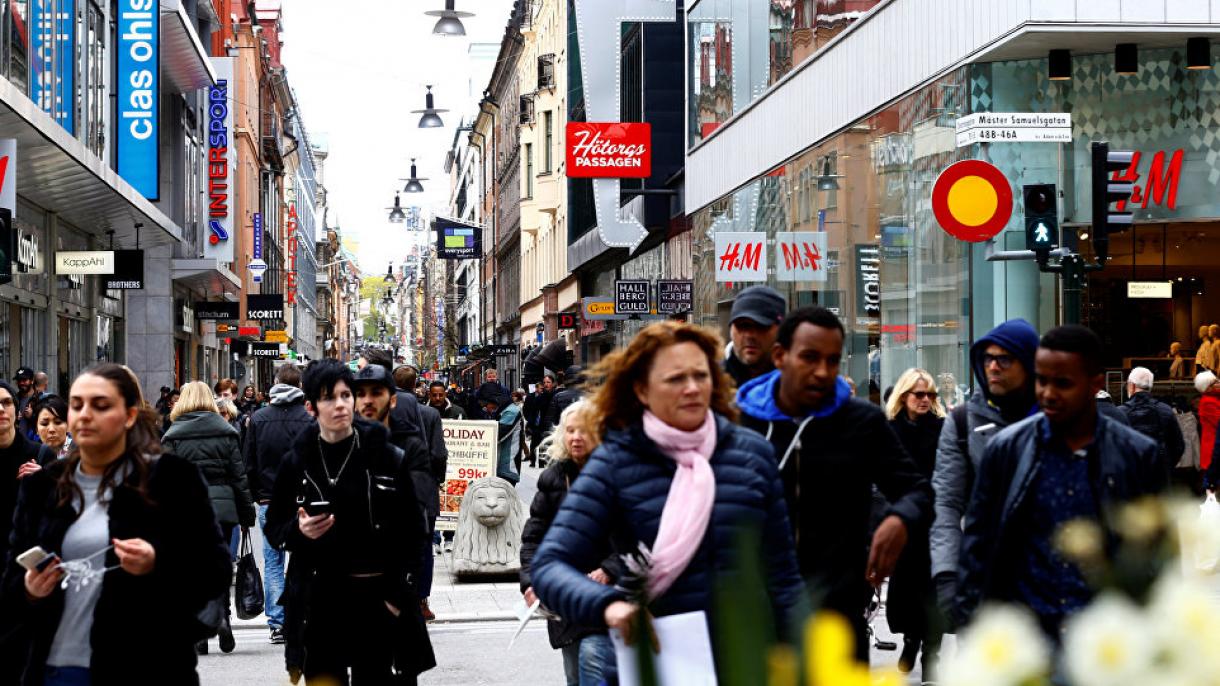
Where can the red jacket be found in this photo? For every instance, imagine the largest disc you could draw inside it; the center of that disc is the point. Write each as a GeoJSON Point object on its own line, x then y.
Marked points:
{"type": "Point", "coordinates": [1209, 417]}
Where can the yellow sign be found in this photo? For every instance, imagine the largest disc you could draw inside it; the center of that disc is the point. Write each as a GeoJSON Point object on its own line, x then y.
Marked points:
{"type": "Point", "coordinates": [224, 328]}
{"type": "Point", "coordinates": [274, 336]}
{"type": "Point", "coordinates": [600, 307]}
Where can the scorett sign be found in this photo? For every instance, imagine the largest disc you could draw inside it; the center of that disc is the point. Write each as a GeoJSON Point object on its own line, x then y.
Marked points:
{"type": "Point", "coordinates": [265, 307]}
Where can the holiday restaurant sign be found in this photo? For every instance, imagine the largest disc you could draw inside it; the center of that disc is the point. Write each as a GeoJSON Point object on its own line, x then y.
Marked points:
{"type": "Point", "coordinates": [599, 31]}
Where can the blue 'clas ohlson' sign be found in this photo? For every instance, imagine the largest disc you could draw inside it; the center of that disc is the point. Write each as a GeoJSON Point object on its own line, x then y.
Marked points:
{"type": "Point", "coordinates": [138, 46]}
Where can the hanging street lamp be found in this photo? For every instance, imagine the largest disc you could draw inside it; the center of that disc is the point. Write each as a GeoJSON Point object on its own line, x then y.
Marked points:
{"type": "Point", "coordinates": [449, 22]}
{"type": "Point", "coordinates": [430, 118]}
{"type": "Point", "coordinates": [413, 183]}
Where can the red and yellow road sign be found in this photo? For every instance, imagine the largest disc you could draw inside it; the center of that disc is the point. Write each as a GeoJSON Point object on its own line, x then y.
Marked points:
{"type": "Point", "coordinates": [972, 200]}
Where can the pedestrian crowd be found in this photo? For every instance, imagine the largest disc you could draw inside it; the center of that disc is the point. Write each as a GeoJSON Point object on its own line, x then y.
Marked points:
{"type": "Point", "coordinates": [654, 460]}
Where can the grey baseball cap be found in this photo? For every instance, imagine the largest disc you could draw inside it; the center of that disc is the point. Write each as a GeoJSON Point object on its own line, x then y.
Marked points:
{"type": "Point", "coordinates": [759, 304]}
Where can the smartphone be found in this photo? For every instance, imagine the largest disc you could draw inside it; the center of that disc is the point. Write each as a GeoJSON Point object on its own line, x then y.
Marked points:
{"type": "Point", "coordinates": [36, 559]}
{"type": "Point", "coordinates": [317, 507]}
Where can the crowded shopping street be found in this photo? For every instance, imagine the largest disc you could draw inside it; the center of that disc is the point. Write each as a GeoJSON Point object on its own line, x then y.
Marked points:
{"type": "Point", "coordinates": [609, 343]}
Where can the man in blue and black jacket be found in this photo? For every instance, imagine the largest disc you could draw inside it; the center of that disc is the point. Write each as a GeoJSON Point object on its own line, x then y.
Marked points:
{"type": "Point", "coordinates": [832, 449]}
{"type": "Point", "coordinates": [1066, 463]}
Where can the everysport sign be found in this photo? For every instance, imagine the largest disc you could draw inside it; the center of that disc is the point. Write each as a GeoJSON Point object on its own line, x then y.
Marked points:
{"type": "Point", "coordinates": [473, 451]}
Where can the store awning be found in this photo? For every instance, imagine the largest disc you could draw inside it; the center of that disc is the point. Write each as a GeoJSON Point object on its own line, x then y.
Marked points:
{"type": "Point", "coordinates": [184, 60]}
{"type": "Point", "coordinates": [207, 275]}
{"type": "Point", "coordinates": [56, 172]}
{"type": "Point", "coordinates": [1034, 40]}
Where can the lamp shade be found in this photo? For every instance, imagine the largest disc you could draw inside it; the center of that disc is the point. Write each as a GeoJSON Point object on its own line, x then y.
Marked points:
{"type": "Point", "coordinates": [413, 183]}
{"type": "Point", "coordinates": [1059, 65]}
{"type": "Point", "coordinates": [431, 116]}
{"type": "Point", "coordinates": [1126, 59]}
{"type": "Point", "coordinates": [1198, 53]}
{"type": "Point", "coordinates": [449, 22]}
{"type": "Point", "coordinates": [396, 214]}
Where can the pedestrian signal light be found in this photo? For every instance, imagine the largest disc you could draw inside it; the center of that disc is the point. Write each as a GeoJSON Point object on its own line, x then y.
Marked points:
{"type": "Point", "coordinates": [1041, 218]}
{"type": "Point", "coordinates": [1106, 191]}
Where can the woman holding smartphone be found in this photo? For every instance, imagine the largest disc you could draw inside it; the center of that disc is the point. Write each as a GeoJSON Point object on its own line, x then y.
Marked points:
{"type": "Point", "coordinates": [137, 550]}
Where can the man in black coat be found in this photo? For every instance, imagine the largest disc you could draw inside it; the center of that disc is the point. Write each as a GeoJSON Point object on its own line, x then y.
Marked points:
{"type": "Point", "coordinates": [832, 449]}
{"type": "Point", "coordinates": [439, 401]}
{"type": "Point", "coordinates": [569, 391]}
{"type": "Point", "coordinates": [1068, 462]}
{"type": "Point", "coordinates": [1153, 418]}
{"type": "Point", "coordinates": [753, 324]}
{"type": "Point", "coordinates": [271, 431]}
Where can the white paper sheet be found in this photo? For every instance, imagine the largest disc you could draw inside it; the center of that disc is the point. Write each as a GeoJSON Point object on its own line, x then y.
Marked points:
{"type": "Point", "coordinates": [524, 614]}
{"type": "Point", "coordinates": [686, 653]}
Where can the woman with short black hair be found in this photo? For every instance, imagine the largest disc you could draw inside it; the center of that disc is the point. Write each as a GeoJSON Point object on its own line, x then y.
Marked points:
{"type": "Point", "coordinates": [344, 505]}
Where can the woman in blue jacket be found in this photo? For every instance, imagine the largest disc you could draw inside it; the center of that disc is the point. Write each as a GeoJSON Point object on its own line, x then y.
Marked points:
{"type": "Point", "coordinates": [675, 474]}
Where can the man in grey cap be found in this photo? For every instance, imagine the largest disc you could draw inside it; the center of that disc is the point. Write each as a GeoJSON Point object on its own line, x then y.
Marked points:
{"type": "Point", "coordinates": [753, 324]}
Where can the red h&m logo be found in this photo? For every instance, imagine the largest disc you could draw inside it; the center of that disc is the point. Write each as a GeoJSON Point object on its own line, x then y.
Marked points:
{"type": "Point", "coordinates": [619, 150]}
{"type": "Point", "coordinates": [1162, 185]}
{"type": "Point", "coordinates": [735, 258]}
{"type": "Point", "coordinates": [803, 256]}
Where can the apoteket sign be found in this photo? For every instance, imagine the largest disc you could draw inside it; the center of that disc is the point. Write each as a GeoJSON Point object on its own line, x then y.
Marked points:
{"type": "Point", "coordinates": [618, 150]}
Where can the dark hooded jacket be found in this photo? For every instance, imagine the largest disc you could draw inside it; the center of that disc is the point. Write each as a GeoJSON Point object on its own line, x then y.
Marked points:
{"type": "Point", "coordinates": [953, 477]}
{"type": "Point", "coordinates": [391, 537]}
{"type": "Point", "coordinates": [21, 451]}
{"type": "Point", "coordinates": [420, 464]}
{"type": "Point", "coordinates": [1157, 421]}
{"type": "Point", "coordinates": [209, 442]}
{"type": "Point", "coordinates": [737, 369]}
{"type": "Point", "coordinates": [830, 460]}
{"type": "Point", "coordinates": [272, 430]}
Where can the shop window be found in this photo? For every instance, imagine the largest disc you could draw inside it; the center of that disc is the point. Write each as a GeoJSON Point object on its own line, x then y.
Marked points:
{"type": "Point", "coordinates": [6, 344]}
{"type": "Point", "coordinates": [33, 337]}
{"type": "Point", "coordinates": [105, 339]}
{"type": "Point", "coordinates": [18, 29]}
{"type": "Point", "coordinates": [632, 65]}
{"type": "Point", "coordinates": [94, 99]}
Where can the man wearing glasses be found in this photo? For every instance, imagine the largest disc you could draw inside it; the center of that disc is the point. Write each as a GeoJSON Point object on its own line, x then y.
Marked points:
{"type": "Point", "coordinates": [1003, 365]}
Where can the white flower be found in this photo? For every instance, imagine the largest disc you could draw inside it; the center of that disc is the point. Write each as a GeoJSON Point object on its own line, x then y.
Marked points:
{"type": "Point", "coordinates": [1185, 619]}
{"type": "Point", "coordinates": [1003, 647]}
{"type": "Point", "coordinates": [1109, 644]}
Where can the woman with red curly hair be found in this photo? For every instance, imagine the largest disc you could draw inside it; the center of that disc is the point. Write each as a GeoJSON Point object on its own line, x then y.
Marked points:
{"type": "Point", "coordinates": [674, 475]}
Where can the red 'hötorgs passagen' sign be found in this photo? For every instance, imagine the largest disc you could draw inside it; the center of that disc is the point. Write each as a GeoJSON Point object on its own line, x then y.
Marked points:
{"type": "Point", "coordinates": [618, 150]}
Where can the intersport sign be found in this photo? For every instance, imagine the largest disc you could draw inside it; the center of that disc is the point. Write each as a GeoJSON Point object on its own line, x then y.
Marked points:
{"type": "Point", "coordinates": [618, 150]}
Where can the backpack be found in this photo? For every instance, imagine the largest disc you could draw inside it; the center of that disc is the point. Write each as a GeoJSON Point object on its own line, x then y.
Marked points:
{"type": "Point", "coordinates": [959, 415]}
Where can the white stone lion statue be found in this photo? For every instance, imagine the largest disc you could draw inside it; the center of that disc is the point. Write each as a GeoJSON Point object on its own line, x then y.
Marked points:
{"type": "Point", "coordinates": [488, 538]}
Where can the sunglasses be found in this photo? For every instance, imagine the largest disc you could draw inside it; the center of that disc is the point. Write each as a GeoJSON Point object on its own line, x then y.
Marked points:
{"type": "Point", "coordinates": [1004, 361]}
{"type": "Point", "coordinates": [925, 395]}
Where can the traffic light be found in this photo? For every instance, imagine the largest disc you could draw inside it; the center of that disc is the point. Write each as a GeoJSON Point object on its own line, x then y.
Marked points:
{"type": "Point", "coordinates": [1106, 191]}
{"type": "Point", "coordinates": [1041, 219]}
{"type": "Point", "coordinates": [8, 245]}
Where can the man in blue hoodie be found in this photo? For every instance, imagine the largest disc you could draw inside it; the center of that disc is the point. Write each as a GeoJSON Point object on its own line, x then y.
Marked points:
{"type": "Point", "coordinates": [1003, 365]}
{"type": "Point", "coordinates": [832, 450]}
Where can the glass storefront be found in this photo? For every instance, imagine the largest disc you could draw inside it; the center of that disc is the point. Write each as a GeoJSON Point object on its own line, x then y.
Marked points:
{"type": "Point", "coordinates": [911, 295]}
{"type": "Point", "coordinates": [1166, 114]}
{"type": "Point", "coordinates": [740, 48]}
{"type": "Point", "coordinates": [899, 283]}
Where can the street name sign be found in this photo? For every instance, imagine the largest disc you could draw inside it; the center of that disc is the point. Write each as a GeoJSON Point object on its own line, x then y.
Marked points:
{"type": "Point", "coordinates": [1014, 127]}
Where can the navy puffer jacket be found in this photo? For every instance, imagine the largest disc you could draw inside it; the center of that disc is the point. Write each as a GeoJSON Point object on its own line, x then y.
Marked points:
{"type": "Point", "coordinates": [616, 504]}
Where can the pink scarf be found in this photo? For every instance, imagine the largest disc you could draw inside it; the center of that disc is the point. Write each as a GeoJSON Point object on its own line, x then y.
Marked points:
{"type": "Point", "coordinates": [688, 507]}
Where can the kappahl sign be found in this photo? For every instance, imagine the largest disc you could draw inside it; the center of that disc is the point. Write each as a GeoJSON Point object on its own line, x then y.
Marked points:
{"type": "Point", "coordinates": [609, 151]}
{"type": "Point", "coordinates": [84, 262]}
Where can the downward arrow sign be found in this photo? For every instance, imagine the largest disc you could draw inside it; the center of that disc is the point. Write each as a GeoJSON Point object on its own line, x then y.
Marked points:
{"type": "Point", "coordinates": [599, 32]}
